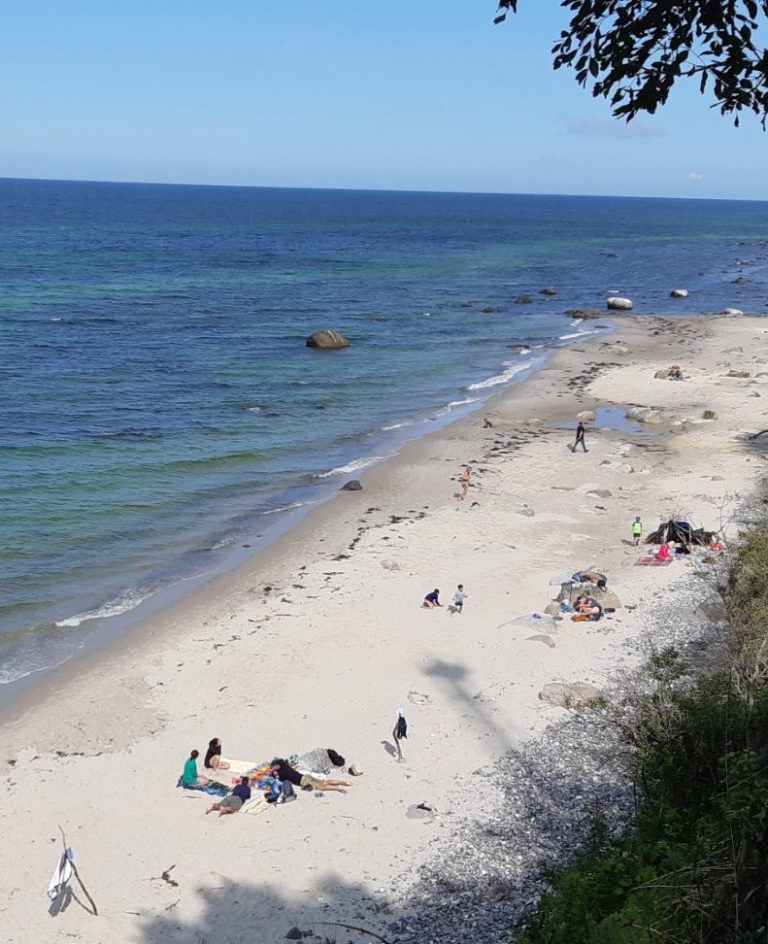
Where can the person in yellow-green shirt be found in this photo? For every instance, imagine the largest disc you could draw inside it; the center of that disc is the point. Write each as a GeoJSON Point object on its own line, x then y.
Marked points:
{"type": "Point", "coordinates": [637, 530]}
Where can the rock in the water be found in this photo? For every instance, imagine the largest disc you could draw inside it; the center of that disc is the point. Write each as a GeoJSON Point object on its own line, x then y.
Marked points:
{"type": "Point", "coordinates": [679, 293]}
{"type": "Point", "coordinates": [585, 313]}
{"type": "Point", "coordinates": [618, 303]}
{"type": "Point", "coordinates": [740, 280]}
{"type": "Point", "coordinates": [549, 290]}
{"type": "Point", "coordinates": [327, 340]}
{"type": "Point", "coordinates": [569, 694]}
{"type": "Point", "coordinates": [489, 309]}
{"type": "Point", "coordinates": [352, 486]}
{"type": "Point", "coordinates": [733, 312]}
{"type": "Point", "coordinates": [586, 416]}
{"type": "Point", "coordinates": [645, 414]}
{"type": "Point", "coordinates": [523, 300]}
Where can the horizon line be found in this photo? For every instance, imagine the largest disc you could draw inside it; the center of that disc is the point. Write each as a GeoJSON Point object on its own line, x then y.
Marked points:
{"type": "Point", "coordinates": [489, 193]}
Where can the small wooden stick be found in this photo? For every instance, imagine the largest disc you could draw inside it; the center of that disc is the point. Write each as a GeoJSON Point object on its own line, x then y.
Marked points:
{"type": "Point", "coordinates": [77, 875]}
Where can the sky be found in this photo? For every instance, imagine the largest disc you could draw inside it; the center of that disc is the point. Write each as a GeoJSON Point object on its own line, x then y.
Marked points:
{"type": "Point", "coordinates": [397, 95]}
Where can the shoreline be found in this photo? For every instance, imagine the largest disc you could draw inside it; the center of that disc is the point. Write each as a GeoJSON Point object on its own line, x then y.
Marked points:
{"type": "Point", "coordinates": [339, 641]}
{"type": "Point", "coordinates": [100, 634]}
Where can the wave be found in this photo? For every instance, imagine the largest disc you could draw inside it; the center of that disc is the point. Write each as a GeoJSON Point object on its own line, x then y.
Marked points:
{"type": "Point", "coordinates": [387, 429]}
{"type": "Point", "coordinates": [128, 600]}
{"type": "Point", "coordinates": [354, 466]}
{"type": "Point", "coordinates": [505, 377]}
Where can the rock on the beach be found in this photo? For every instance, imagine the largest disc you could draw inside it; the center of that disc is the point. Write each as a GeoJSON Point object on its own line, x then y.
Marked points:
{"type": "Point", "coordinates": [679, 293]}
{"type": "Point", "coordinates": [586, 416]}
{"type": "Point", "coordinates": [662, 374]}
{"type": "Point", "coordinates": [327, 340]}
{"type": "Point", "coordinates": [733, 312]}
{"type": "Point", "coordinates": [585, 313]}
{"type": "Point", "coordinates": [600, 492]}
{"type": "Point", "coordinates": [738, 373]}
{"type": "Point", "coordinates": [390, 565]}
{"type": "Point", "coordinates": [569, 694]}
{"type": "Point", "coordinates": [526, 512]}
{"type": "Point", "coordinates": [645, 414]}
{"type": "Point", "coordinates": [618, 303]}
{"type": "Point", "coordinates": [353, 485]}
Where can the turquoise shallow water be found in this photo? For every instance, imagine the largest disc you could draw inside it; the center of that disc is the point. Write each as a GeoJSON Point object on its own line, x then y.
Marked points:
{"type": "Point", "coordinates": [159, 405]}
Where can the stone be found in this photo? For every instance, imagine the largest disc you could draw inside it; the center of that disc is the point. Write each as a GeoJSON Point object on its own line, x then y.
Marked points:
{"type": "Point", "coordinates": [586, 416]}
{"type": "Point", "coordinates": [552, 609]}
{"type": "Point", "coordinates": [585, 313]}
{"type": "Point", "coordinates": [645, 414]}
{"type": "Point", "coordinates": [743, 374]}
{"type": "Point", "coordinates": [569, 694]}
{"type": "Point", "coordinates": [739, 280]}
{"type": "Point", "coordinates": [549, 290]}
{"type": "Point", "coordinates": [295, 934]}
{"type": "Point", "coordinates": [489, 309]}
{"type": "Point", "coordinates": [390, 565]}
{"type": "Point", "coordinates": [662, 374]}
{"type": "Point", "coordinates": [526, 512]}
{"type": "Point", "coordinates": [733, 312]}
{"type": "Point", "coordinates": [327, 340]}
{"type": "Point", "coordinates": [616, 302]}
{"type": "Point", "coordinates": [679, 293]}
{"type": "Point", "coordinates": [600, 492]}
{"type": "Point", "coordinates": [523, 300]}
{"type": "Point", "coordinates": [353, 485]}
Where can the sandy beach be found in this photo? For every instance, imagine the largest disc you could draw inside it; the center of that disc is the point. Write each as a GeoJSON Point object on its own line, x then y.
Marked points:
{"type": "Point", "coordinates": [318, 640]}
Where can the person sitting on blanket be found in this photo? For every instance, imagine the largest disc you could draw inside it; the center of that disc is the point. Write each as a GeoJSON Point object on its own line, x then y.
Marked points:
{"type": "Point", "coordinates": [232, 802]}
{"type": "Point", "coordinates": [213, 759]}
{"type": "Point", "coordinates": [284, 771]}
{"type": "Point", "coordinates": [588, 607]}
{"type": "Point", "coordinates": [663, 552]}
{"type": "Point", "coordinates": [190, 778]}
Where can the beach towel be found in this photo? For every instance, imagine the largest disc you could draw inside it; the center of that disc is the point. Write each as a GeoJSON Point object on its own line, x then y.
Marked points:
{"type": "Point", "coordinates": [652, 562]}
{"type": "Point", "coordinates": [257, 804]}
{"type": "Point", "coordinates": [61, 875]}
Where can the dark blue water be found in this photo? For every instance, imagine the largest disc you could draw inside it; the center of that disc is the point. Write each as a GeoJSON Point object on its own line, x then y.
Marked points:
{"type": "Point", "coordinates": [159, 404]}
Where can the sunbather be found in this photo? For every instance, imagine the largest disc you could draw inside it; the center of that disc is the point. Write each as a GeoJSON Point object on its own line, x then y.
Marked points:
{"type": "Point", "coordinates": [663, 552]}
{"type": "Point", "coordinates": [232, 802]}
{"type": "Point", "coordinates": [284, 771]}
{"type": "Point", "coordinates": [190, 777]}
{"type": "Point", "coordinates": [588, 607]}
{"type": "Point", "coordinates": [213, 759]}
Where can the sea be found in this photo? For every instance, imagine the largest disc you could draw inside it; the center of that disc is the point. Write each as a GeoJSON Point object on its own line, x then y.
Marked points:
{"type": "Point", "coordinates": [161, 417]}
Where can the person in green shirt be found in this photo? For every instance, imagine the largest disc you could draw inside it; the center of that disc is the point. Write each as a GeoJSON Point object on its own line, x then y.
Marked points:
{"type": "Point", "coordinates": [190, 778]}
{"type": "Point", "coordinates": [637, 530]}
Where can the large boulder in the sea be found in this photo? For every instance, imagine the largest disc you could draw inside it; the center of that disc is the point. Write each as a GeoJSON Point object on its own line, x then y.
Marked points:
{"type": "Point", "coordinates": [617, 303]}
{"type": "Point", "coordinates": [327, 340]}
{"type": "Point", "coordinates": [679, 293]}
{"type": "Point", "coordinates": [585, 313]}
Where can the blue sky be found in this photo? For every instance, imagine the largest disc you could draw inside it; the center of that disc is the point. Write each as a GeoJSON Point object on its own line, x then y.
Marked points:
{"type": "Point", "coordinates": [408, 94]}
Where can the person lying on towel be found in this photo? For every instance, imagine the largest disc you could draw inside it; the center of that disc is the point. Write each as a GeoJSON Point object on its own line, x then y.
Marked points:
{"type": "Point", "coordinates": [589, 608]}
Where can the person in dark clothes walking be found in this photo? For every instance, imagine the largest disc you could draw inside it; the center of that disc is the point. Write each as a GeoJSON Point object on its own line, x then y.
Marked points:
{"type": "Point", "coordinates": [580, 430]}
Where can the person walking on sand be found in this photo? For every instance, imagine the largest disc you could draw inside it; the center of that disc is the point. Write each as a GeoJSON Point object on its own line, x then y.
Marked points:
{"type": "Point", "coordinates": [458, 599]}
{"type": "Point", "coordinates": [637, 530]}
{"type": "Point", "coordinates": [464, 479]}
{"type": "Point", "coordinates": [580, 430]}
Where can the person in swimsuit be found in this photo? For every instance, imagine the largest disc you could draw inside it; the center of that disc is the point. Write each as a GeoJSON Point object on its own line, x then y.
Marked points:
{"type": "Point", "coordinates": [464, 479]}
{"type": "Point", "coordinates": [213, 759]}
{"type": "Point", "coordinates": [282, 770]}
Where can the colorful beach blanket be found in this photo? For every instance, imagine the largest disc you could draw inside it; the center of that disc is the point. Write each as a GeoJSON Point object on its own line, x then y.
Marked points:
{"type": "Point", "coordinates": [652, 562]}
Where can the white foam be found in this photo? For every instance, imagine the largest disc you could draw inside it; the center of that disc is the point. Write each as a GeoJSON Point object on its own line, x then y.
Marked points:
{"type": "Point", "coordinates": [387, 429]}
{"type": "Point", "coordinates": [254, 409]}
{"type": "Point", "coordinates": [121, 604]}
{"type": "Point", "coordinates": [353, 466]}
{"type": "Point", "coordinates": [509, 374]}
{"type": "Point", "coordinates": [578, 334]}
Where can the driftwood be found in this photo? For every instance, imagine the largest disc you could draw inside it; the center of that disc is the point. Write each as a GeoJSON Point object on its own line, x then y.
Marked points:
{"type": "Point", "coordinates": [352, 927]}
{"type": "Point", "coordinates": [77, 875]}
{"type": "Point", "coordinates": [755, 435]}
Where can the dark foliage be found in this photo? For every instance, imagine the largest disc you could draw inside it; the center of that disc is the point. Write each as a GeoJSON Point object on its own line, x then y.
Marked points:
{"type": "Point", "coordinates": [633, 51]}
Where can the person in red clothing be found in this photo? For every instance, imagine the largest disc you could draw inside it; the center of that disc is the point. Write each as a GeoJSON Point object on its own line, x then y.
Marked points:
{"type": "Point", "coordinates": [663, 552]}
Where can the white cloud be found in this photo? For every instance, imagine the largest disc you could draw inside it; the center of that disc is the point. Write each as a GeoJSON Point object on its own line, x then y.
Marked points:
{"type": "Point", "coordinates": [694, 176]}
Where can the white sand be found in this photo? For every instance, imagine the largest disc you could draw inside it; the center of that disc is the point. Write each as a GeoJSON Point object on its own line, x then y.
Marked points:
{"type": "Point", "coordinates": [340, 642]}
